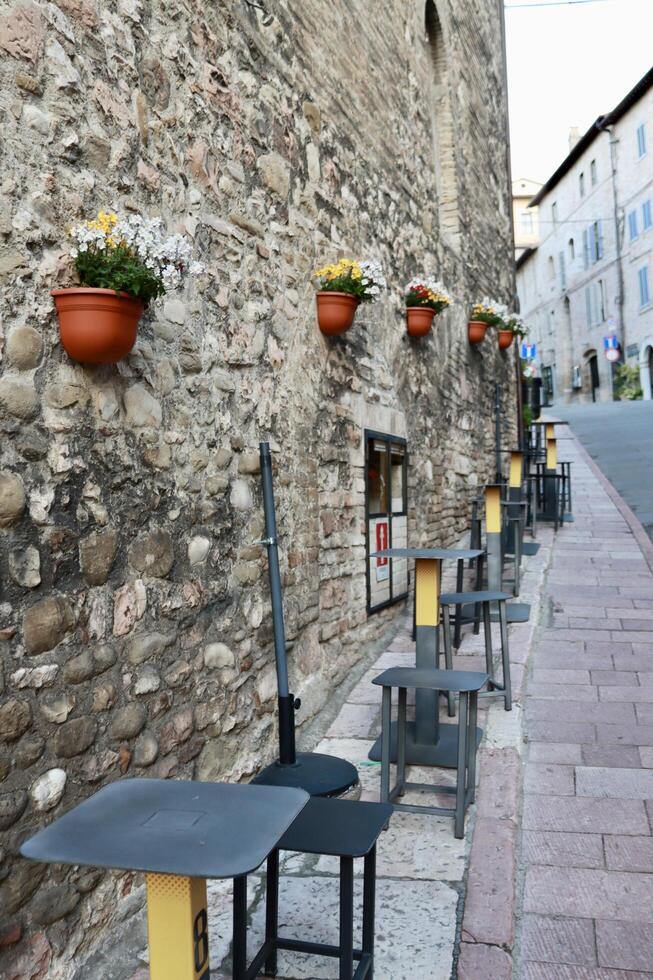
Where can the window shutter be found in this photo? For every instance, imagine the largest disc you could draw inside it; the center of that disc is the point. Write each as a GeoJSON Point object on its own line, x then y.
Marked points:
{"type": "Point", "coordinates": [586, 248]}
{"type": "Point", "coordinates": [599, 229]}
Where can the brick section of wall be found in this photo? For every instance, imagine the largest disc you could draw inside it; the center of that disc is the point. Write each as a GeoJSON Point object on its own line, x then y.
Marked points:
{"type": "Point", "coordinates": [135, 630]}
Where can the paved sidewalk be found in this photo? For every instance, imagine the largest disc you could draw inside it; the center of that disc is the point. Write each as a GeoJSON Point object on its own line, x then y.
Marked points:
{"type": "Point", "coordinates": [554, 880]}
{"type": "Point", "coordinates": [586, 862]}
{"type": "Point", "coordinates": [444, 907]}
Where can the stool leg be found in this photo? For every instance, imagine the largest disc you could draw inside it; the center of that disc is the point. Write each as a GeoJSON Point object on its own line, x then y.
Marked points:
{"type": "Point", "coordinates": [448, 656]}
{"type": "Point", "coordinates": [518, 542]}
{"type": "Point", "coordinates": [459, 821]}
{"type": "Point", "coordinates": [272, 911]}
{"type": "Point", "coordinates": [458, 617]}
{"type": "Point", "coordinates": [239, 946]}
{"type": "Point", "coordinates": [478, 585]}
{"type": "Point", "coordinates": [386, 717]}
{"type": "Point", "coordinates": [571, 510]}
{"type": "Point", "coordinates": [505, 656]}
{"type": "Point", "coordinates": [346, 918]}
{"type": "Point", "coordinates": [471, 746]}
{"type": "Point", "coordinates": [489, 659]}
{"type": "Point", "coordinates": [369, 900]}
{"type": "Point", "coordinates": [401, 741]}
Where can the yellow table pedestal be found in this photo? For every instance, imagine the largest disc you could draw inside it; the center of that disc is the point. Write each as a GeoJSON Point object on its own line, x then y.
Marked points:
{"type": "Point", "coordinates": [177, 927]}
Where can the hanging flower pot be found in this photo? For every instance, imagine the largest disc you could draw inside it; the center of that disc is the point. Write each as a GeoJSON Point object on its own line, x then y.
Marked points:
{"type": "Point", "coordinates": [97, 326]}
{"type": "Point", "coordinates": [123, 264]}
{"type": "Point", "coordinates": [425, 298]}
{"type": "Point", "coordinates": [341, 287]}
{"type": "Point", "coordinates": [476, 331]}
{"type": "Point", "coordinates": [335, 312]}
{"type": "Point", "coordinates": [506, 338]}
{"type": "Point", "coordinates": [419, 320]}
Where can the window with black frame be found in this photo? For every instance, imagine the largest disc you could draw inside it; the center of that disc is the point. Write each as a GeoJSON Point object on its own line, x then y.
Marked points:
{"type": "Point", "coordinates": [386, 520]}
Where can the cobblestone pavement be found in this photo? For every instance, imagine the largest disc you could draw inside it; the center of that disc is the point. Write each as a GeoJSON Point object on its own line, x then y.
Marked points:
{"type": "Point", "coordinates": [586, 855]}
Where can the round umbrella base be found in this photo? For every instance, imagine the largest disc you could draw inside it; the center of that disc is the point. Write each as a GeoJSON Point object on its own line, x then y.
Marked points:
{"type": "Point", "coordinates": [317, 774]}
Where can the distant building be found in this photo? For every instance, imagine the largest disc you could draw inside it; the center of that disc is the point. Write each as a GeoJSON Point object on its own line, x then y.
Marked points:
{"type": "Point", "coordinates": [525, 218]}
{"type": "Point", "coordinates": [591, 276]}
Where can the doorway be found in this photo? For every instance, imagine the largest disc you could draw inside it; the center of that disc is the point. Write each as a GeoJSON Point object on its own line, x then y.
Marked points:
{"type": "Point", "coordinates": [595, 381]}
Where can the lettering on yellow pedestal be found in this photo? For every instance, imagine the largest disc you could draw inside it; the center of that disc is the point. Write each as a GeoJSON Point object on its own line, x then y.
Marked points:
{"type": "Point", "coordinates": [177, 926]}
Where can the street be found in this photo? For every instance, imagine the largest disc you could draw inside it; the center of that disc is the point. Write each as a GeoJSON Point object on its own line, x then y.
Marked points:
{"type": "Point", "coordinates": [618, 436]}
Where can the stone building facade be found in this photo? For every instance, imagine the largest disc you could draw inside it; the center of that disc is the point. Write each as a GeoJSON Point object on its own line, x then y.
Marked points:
{"type": "Point", "coordinates": [135, 629]}
{"type": "Point", "coordinates": [591, 276]}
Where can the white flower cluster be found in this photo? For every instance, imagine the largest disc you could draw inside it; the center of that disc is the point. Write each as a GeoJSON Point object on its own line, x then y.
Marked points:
{"type": "Point", "coordinates": [167, 258]}
{"type": "Point", "coordinates": [500, 309]}
{"type": "Point", "coordinates": [373, 279]}
{"type": "Point", "coordinates": [515, 323]}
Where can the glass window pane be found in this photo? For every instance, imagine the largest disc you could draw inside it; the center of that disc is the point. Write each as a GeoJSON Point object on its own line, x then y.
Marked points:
{"type": "Point", "coordinates": [397, 476]}
{"type": "Point", "coordinates": [377, 477]}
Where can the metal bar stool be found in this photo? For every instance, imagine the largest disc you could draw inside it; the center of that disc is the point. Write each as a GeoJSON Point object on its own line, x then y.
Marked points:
{"type": "Point", "coordinates": [485, 600]}
{"type": "Point", "coordinates": [466, 684]}
{"type": "Point", "coordinates": [342, 828]}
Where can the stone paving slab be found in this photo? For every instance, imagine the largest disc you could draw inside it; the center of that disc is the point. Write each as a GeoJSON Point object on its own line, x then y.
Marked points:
{"type": "Point", "coordinates": [586, 851]}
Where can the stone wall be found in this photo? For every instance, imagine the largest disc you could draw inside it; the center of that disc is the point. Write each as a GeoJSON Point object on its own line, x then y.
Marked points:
{"type": "Point", "coordinates": [135, 632]}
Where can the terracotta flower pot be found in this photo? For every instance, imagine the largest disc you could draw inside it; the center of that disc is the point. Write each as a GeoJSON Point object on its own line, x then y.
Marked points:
{"type": "Point", "coordinates": [506, 338]}
{"type": "Point", "coordinates": [419, 320]}
{"type": "Point", "coordinates": [97, 326]}
{"type": "Point", "coordinates": [335, 312]}
{"type": "Point", "coordinates": [476, 331]}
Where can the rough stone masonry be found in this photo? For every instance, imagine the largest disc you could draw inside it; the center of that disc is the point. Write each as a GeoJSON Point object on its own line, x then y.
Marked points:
{"type": "Point", "coordinates": [135, 630]}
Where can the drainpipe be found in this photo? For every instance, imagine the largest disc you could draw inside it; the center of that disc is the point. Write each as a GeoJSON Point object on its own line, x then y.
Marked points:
{"type": "Point", "coordinates": [621, 325]}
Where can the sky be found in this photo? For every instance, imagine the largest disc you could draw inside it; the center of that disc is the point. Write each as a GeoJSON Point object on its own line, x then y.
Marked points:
{"type": "Point", "coordinates": [567, 64]}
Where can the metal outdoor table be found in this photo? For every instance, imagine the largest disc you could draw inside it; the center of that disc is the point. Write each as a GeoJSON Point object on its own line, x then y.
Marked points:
{"type": "Point", "coordinates": [428, 743]}
{"type": "Point", "coordinates": [179, 834]}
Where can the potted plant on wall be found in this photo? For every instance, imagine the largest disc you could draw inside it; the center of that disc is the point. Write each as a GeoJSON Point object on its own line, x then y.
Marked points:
{"type": "Point", "coordinates": [341, 288]}
{"type": "Point", "coordinates": [425, 298]}
{"type": "Point", "coordinates": [122, 264]}
{"type": "Point", "coordinates": [510, 328]}
{"type": "Point", "coordinates": [487, 313]}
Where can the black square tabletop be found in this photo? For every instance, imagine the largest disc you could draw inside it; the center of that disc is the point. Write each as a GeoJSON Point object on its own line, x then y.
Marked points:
{"type": "Point", "coordinates": [165, 826]}
{"type": "Point", "coordinates": [346, 828]}
{"type": "Point", "coordinates": [427, 553]}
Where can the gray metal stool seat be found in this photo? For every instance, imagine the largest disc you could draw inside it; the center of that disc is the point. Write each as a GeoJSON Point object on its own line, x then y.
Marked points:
{"type": "Point", "coordinates": [466, 684]}
{"type": "Point", "coordinates": [472, 603]}
{"type": "Point", "coordinates": [345, 829]}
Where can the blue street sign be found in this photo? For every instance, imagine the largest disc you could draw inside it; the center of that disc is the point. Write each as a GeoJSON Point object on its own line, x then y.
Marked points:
{"type": "Point", "coordinates": [528, 352]}
{"type": "Point", "coordinates": [611, 342]}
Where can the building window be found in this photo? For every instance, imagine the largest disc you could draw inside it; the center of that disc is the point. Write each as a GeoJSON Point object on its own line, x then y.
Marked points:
{"type": "Point", "coordinates": [554, 212]}
{"type": "Point", "coordinates": [526, 222]}
{"type": "Point", "coordinates": [595, 303]}
{"type": "Point", "coordinates": [581, 184]}
{"type": "Point", "coordinates": [552, 267]}
{"type": "Point", "coordinates": [594, 243]}
{"type": "Point", "coordinates": [632, 225]}
{"type": "Point", "coordinates": [562, 270]}
{"type": "Point", "coordinates": [641, 140]}
{"type": "Point", "coordinates": [647, 215]}
{"type": "Point", "coordinates": [644, 287]}
{"type": "Point", "coordinates": [386, 504]}
{"type": "Point", "coordinates": [443, 124]}
{"type": "Point", "coordinates": [572, 250]}
{"type": "Point", "coordinates": [594, 173]}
